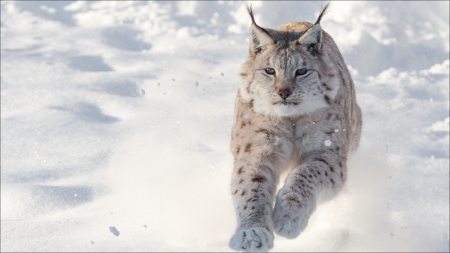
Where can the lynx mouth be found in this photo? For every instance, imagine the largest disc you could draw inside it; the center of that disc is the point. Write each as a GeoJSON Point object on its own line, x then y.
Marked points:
{"type": "Point", "coordinates": [285, 103]}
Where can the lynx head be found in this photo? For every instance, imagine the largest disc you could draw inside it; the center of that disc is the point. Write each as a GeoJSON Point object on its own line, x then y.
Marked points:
{"type": "Point", "coordinates": [288, 71]}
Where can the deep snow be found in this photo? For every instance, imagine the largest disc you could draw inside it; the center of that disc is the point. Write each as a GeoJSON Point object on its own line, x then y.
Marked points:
{"type": "Point", "coordinates": [116, 119]}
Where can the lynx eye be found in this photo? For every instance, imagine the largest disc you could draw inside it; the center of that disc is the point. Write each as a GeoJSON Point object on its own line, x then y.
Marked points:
{"type": "Point", "coordinates": [301, 72]}
{"type": "Point", "coordinates": [270, 71]}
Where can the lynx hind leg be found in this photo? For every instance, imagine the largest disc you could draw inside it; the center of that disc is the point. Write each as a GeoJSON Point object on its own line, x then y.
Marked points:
{"type": "Point", "coordinates": [252, 240]}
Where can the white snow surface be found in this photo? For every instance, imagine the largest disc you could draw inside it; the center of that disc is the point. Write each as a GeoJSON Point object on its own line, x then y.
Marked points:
{"type": "Point", "coordinates": [119, 113]}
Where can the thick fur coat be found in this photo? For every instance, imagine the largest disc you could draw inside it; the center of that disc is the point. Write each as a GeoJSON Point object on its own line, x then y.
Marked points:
{"type": "Point", "coordinates": [295, 111]}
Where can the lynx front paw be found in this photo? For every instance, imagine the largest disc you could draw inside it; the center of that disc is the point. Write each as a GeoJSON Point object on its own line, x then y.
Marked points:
{"type": "Point", "coordinates": [253, 239]}
{"type": "Point", "coordinates": [290, 216]}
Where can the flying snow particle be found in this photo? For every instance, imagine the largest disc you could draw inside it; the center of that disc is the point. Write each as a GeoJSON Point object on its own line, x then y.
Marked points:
{"type": "Point", "coordinates": [327, 143]}
{"type": "Point", "coordinates": [75, 194]}
{"type": "Point", "coordinates": [246, 116]}
{"type": "Point", "coordinates": [196, 83]}
{"type": "Point", "coordinates": [336, 130]}
{"type": "Point", "coordinates": [145, 226]}
{"type": "Point", "coordinates": [114, 231]}
{"type": "Point", "coordinates": [221, 74]}
{"type": "Point", "coordinates": [142, 92]}
{"type": "Point", "coordinates": [92, 242]}
{"type": "Point", "coordinates": [159, 84]}
{"type": "Point", "coordinates": [173, 79]}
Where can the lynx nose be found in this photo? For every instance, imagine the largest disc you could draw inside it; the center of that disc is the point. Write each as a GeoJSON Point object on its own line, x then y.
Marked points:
{"type": "Point", "coordinates": [284, 93]}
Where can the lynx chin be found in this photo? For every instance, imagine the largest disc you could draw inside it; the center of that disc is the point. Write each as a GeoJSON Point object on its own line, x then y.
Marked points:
{"type": "Point", "coordinates": [295, 111]}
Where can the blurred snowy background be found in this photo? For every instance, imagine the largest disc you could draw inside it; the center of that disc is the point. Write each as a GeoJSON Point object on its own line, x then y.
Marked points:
{"type": "Point", "coordinates": [116, 118]}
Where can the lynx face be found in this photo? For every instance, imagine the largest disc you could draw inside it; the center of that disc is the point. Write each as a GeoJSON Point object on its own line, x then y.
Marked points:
{"type": "Point", "coordinates": [282, 76]}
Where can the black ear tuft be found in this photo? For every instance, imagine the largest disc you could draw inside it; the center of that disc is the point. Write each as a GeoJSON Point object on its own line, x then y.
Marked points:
{"type": "Point", "coordinates": [322, 13]}
{"type": "Point", "coordinates": [250, 12]}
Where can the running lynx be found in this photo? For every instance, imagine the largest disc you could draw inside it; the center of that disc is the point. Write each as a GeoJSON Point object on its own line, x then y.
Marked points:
{"type": "Point", "coordinates": [295, 111]}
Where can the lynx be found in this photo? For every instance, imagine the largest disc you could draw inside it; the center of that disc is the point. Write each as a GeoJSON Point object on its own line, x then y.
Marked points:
{"type": "Point", "coordinates": [295, 112]}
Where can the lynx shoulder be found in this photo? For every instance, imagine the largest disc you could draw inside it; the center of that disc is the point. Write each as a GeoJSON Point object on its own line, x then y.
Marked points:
{"type": "Point", "coordinates": [295, 111]}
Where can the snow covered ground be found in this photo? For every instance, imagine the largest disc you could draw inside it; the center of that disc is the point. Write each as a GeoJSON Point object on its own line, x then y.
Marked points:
{"type": "Point", "coordinates": [116, 118]}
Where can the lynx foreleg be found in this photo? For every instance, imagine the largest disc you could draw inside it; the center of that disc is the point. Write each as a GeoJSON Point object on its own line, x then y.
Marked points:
{"type": "Point", "coordinates": [318, 173]}
{"type": "Point", "coordinates": [253, 188]}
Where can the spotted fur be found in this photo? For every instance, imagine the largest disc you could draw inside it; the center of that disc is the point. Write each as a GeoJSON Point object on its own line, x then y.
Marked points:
{"type": "Point", "coordinates": [295, 110]}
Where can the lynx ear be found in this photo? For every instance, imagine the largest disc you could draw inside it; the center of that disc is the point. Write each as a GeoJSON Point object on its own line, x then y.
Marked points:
{"type": "Point", "coordinates": [259, 37]}
{"type": "Point", "coordinates": [311, 40]}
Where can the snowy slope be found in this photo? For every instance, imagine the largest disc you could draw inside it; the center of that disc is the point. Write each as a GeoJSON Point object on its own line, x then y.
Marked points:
{"type": "Point", "coordinates": [118, 114]}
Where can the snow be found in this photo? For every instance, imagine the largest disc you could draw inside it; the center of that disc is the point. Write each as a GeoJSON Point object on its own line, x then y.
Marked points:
{"type": "Point", "coordinates": [116, 117]}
